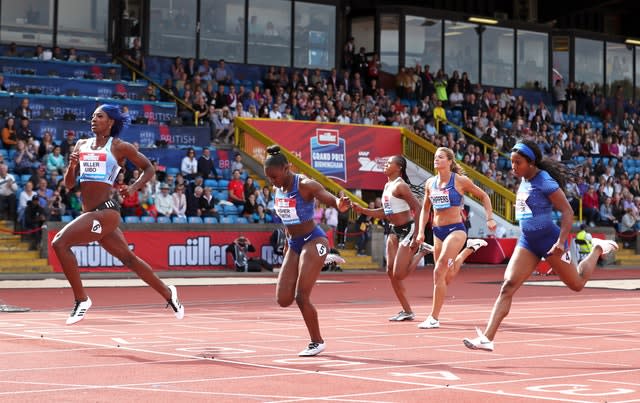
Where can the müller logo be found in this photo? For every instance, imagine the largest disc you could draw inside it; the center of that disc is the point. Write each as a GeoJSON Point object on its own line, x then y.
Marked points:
{"type": "Point", "coordinates": [327, 136]}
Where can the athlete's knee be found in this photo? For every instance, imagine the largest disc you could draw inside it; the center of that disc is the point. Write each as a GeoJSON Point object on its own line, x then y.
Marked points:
{"type": "Point", "coordinates": [284, 301]}
{"type": "Point", "coordinates": [60, 243]}
{"type": "Point", "coordinates": [128, 259]}
{"type": "Point", "coordinates": [508, 288]}
{"type": "Point", "coordinates": [302, 299]}
{"type": "Point", "coordinates": [577, 287]}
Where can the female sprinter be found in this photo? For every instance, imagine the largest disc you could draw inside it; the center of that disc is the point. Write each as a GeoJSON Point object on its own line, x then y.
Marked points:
{"type": "Point", "coordinates": [96, 163]}
{"type": "Point", "coordinates": [308, 245]}
{"type": "Point", "coordinates": [540, 191]}
{"type": "Point", "coordinates": [444, 192]}
{"type": "Point", "coordinates": [399, 207]}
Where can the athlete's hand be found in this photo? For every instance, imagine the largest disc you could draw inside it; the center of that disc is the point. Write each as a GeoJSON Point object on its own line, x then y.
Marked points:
{"type": "Point", "coordinates": [74, 157]}
{"type": "Point", "coordinates": [492, 225]}
{"type": "Point", "coordinates": [557, 249]}
{"type": "Point", "coordinates": [343, 204]}
{"type": "Point", "coordinates": [418, 240]}
{"type": "Point", "coordinates": [126, 191]}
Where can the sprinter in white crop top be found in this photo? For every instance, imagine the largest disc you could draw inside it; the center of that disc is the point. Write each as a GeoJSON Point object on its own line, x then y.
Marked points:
{"type": "Point", "coordinates": [95, 163]}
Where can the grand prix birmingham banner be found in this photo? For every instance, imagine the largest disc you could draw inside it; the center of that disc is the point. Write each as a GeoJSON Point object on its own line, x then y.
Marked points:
{"type": "Point", "coordinates": [352, 155]}
{"type": "Point", "coordinates": [170, 250]}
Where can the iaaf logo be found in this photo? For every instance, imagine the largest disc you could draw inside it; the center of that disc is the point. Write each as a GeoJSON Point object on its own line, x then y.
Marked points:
{"type": "Point", "coordinates": [327, 136]}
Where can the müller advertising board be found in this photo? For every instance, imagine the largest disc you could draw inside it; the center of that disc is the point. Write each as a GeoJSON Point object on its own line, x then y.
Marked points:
{"type": "Point", "coordinates": [170, 250]}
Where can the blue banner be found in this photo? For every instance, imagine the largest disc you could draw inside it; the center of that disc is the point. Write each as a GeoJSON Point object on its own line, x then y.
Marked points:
{"type": "Point", "coordinates": [144, 135]}
{"type": "Point", "coordinates": [21, 65]}
{"type": "Point", "coordinates": [83, 107]}
{"type": "Point", "coordinates": [86, 87]}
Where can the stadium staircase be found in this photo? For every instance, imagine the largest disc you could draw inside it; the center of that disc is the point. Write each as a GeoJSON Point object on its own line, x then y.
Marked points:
{"type": "Point", "coordinates": [355, 262]}
{"type": "Point", "coordinates": [15, 256]}
{"type": "Point", "coordinates": [628, 257]}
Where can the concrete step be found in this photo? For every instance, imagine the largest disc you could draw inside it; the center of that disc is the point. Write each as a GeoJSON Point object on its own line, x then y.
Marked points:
{"type": "Point", "coordinates": [29, 255]}
{"type": "Point", "coordinates": [26, 269]}
{"type": "Point", "coordinates": [12, 246]}
{"type": "Point", "coordinates": [355, 262]}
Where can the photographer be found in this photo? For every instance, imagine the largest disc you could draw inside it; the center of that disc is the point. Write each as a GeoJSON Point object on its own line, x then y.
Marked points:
{"type": "Point", "coordinates": [34, 217]}
{"type": "Point", "coordinates": [239, 249]}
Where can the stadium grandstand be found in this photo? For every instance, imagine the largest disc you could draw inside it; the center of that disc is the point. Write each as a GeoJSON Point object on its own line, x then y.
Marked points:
{"type": "Point", "coordinates": [341, 85]}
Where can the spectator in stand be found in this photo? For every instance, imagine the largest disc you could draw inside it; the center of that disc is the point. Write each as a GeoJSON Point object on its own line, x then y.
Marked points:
{"type": "Point", "coordinates": [237, 164]}
{"type": "Point", "coordinates": [590, 206]}
{"type": "Point", "coordinates": [177, 68]}
{"type": "Point", "coordinates": [55, 161]}
{"type": "Point", "coordinates": [12, 50]}
{"type": "Point", "coordinates": [24, 110]}
{"type": "Point", "coordinates": [67, 144]}
{"type": "Point", "coordinates": [8, 191]}
{"type": "Point", "coordinates": [207, 204]}
{"type": "Point", "coordinates": [193, 195]}
{"type": "Point", "coordinates": [24, 131]}
{"type": "Point", "coordinates": [206, 165]}
{"type": "Point", "coordinates": [130, 203]}
{"type": "Point", "coordinates": [9, 133]}
{"type": "Point", "coordinates": [46, 146]}
{"type": "Point", "coordinates": [189, 165]}
{"type": "Point", "coordinates": [164, 201]}
{"type": "Point", "coordinates": [201, 109]}
{"type": "Point", "coordinates": [135, 56]}
{"type": "Point", "coordinates": [179, 205]}
{"type": "Point", "coordinates": [607, 216]}
{"type": "Point", "coordinates": [25, 161]}
{"type": "Point", "coordinates": [236, 189]}
{"type": "Point", "coordinates": [628, 228]}
{"type": "Point", "coordinates": [261, 216]}
{"type": "Point", "coordinates": [250, 206]}
{"type": "Point", "coordinates": [250, 187]}
{"type": "Point", "coordinates": [222, 74]}
{"type": "Point", "coordinates": [571, 95]}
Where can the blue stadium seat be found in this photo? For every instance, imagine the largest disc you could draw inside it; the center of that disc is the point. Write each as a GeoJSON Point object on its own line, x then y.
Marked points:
{"type": "Point", "coordinates": [132, 219]}
{"type": "Point", "coordinates": [221, 194]}
{"type": "Point", "coordinates": [148, 219]}
{"type": "Point", "coordinates": [172, 170]}
{"type": "Point", "coordinates": [24, 178]}
{"type": "Point", "coordinates": [179, 220]}
{"type": "Point", "coordinates": [231, 209]}
{"type": "Point", "coordinates": [4, 153]}
{"type": "Point", "coordinates": [195, 220]}
{"type": "Point", "coordinates": [163, 220]}
{"type": "Point", "coordinates": [222, 184]}
{"type": "Point", "coordinates": [210, 220]}
{"type": "Point", "coordinates": [228, 219]}
{"type": "Point", "coordinates": [66, 218]}
{"type": "Point", "coordinates": [212, 183]}
{"type": "Point", "coordinates": [241, 220]}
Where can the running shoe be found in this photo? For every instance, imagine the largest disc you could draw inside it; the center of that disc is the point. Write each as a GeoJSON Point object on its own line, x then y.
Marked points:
{"type": "Point", "coordinates": [402, 315]}
{"type": "Point", "coordinates": [78, 312]}
{"type": "Point", "coordinates": [425, 248]}
{"type": "Point", "coordinates": [479, 343]}
{"type": "Point", "coordinates": [476, 244]}
{"type": "Point", "coordinates": [174, 303]}
{"type": "Point", "coordinates": [312, 349]}
{"type": "Point", "coordinates": [430, 323]}
{"type": "Point", "coordinates": [334, 258]}
{"type": "Point", "coordinates": [606, 245]}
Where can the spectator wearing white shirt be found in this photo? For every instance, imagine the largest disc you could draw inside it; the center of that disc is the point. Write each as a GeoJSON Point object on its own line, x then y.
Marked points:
{"type": "Point", "coordinates": [8, 189]}
{"type": "Point", "coordinates": [164, 201]}
{"type": "Point", "coordinates": [179, 202]}
{"type": "Point", "coordinates": [189, 166]}
{"type": "Point", "coordinates": [275, 113]}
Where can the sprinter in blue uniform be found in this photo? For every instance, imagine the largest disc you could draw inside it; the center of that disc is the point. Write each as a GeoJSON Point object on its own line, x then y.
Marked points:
{"type": "Point", "coordinates": [95, 162]}
{"type": "Point", "coordinates": [444, 193]}
{"type": "Point", "coordinates": [539, 193]}
{"type": "Point", "coordinates": [308, 245]}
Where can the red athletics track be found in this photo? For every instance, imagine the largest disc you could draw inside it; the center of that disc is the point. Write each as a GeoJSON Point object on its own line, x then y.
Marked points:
{"type": "Point", "coordinates": [236, 345]}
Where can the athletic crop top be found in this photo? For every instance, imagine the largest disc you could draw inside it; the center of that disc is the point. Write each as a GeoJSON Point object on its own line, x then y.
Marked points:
{"type": "Point", "coordinates": [291, 207]}
{"type": "Point", "coordinates": [98, 165]}
{"type": "Point", "coordinates": [442, 198]}
{"type": "Point", "coordinates": [390, 203]}
{"type": "Point", "coordinates": [533, 207]}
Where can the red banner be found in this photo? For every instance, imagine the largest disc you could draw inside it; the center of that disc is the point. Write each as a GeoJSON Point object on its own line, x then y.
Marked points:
{"type": "Point", "coordinates": [352, 155]}
{"type": "Point", "coordinates": [174, 250]}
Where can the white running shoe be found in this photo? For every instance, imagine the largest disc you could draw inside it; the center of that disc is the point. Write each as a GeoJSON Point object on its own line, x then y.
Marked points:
{"type": "Point", "coordinates": [476, 244]}
{"type": "Point", "coordinates": [479, 343]}
{"type": "Point", "coordinates": [78, 312]}
{"type": "Point", "coordinates": [402, 315]}
{"type": "Point", "coordinates": [425, 248]}
{"type": "Point", "coordinates": [175, 304]}
{"type": "Point", "coordinates": [312, 349]}
{"type": "Point", "coordinates": [430, 323]}
{"type": "Point", "coordinates": [606, 245]}
{"type": "Point", "coordinates": [334, 258]}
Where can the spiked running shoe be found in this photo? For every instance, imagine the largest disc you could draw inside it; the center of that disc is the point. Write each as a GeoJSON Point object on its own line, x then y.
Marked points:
{"type": "Point", "coordinates": [402, 315]}
{"type": "Point", "coordinates": [78, 312]}
{"type": "Point", "coordinates": [334, 258]}
{"type": "Point", "coordinates": [430, 323]}
{"type": "Point", "coordinates": [476, 244]}
{"type": "Point", "coordinates": [606, 245]}
{"type": "Point", "coordinates": [479, 343]}
{"type": "Point", "coordinates": [174, 303]}
{"type": "Point", "coordinates": [312, 349]}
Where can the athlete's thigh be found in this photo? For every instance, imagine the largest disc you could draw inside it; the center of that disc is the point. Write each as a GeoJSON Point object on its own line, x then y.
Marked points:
{"type": "Point", "coordinates": [566, 271]}
{"type": "Point", "coordinates": [116, 244]}
{"type": "Point", "coordinates": [451, 247]}
{"type": "Point", "coordinates": [521, 264]}
{"type": "Point", "coordinates": [89, 227]}
{"type": "Point", "coordinates": [312, 259]}
{"type": "Point", "coordinates": [288, 276]}
{"type": "Point", "coordinates": [392, 251]}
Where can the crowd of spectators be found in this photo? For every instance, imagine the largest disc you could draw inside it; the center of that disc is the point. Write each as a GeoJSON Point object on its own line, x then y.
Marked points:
{"type": "Point", "coordinates": [580, 126]}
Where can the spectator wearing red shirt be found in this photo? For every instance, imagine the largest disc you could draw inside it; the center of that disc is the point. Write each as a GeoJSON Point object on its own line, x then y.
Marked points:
{"type": "Point", "coordinates": [236, 189]}
{"type": "Point", "coordinates": [591, 206]}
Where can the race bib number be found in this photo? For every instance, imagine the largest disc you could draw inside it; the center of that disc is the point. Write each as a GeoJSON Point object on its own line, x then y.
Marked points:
{"type": "Point", "coordinates": [440, 198]}
{"type": "Point", "coordinates": [93, 165]}
{"type": "Point", "coordinates": [286, 210]}
{"type": "Point", "coordinates": [523, 211]}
